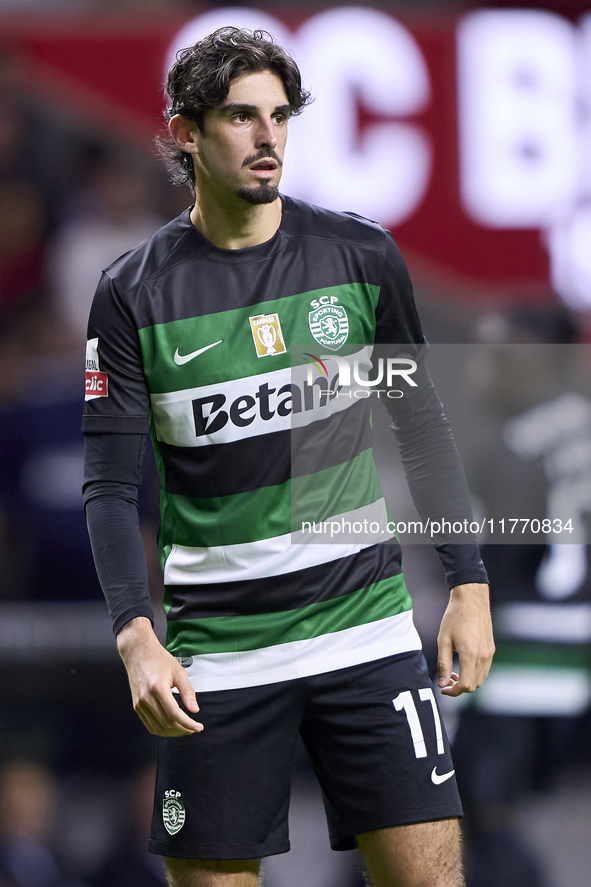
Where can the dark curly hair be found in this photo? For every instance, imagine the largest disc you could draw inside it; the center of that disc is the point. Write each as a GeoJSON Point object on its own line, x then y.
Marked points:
{"type": "Point", "coordinates": [200, 80]}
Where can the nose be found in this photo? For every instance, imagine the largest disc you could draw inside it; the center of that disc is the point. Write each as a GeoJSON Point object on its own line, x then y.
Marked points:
{"type": "Point", "coordinates": [266, 135]}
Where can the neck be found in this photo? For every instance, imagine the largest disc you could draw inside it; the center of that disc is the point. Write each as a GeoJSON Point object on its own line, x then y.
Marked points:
{"type": "Point", "coordinates": [237, 226]}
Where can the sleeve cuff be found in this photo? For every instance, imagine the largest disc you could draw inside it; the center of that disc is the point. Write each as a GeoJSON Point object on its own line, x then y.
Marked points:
{"type": "Point", "coordinates": [454, 579]}
{"type": "Point", "coordinates": [122, 619]}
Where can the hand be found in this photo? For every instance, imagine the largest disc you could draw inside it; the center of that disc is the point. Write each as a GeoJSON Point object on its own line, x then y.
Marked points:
{"type": "Point", "coordinates": [152, 673]}
{"type": "Point", "coordinates": [466, 629]}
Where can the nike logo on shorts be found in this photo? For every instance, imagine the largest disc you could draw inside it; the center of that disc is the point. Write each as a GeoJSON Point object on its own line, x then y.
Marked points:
{"type": "Point", "coordinates": [180, 359]}
{"type": "Point", "coordinates": [436, 779]}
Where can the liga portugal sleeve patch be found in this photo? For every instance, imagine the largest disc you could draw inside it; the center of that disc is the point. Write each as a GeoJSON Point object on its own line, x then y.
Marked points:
{"type": "Point", "coordinates": [97, 383]}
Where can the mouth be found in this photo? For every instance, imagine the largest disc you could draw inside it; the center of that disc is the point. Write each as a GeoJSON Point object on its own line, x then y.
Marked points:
{"type": "Point", "coordinates": [266, 165]}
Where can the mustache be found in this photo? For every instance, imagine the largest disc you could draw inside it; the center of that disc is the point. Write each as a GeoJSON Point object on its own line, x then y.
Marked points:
{"type": "Point", "coordinates": [266, 152]}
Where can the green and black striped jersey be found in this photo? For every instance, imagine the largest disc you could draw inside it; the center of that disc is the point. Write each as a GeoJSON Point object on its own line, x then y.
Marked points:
{"type": "Point", "coordinates": [196, 343]}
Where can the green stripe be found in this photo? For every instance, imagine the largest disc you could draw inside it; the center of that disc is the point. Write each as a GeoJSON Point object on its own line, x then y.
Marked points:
{"type": "Point", "coordinates": [272, 511]}
{"type": "Point", "coordinates": [229, 520]}
{"type": "Point", "coordinates": [337, 490]}
{"type": "Point", "coordinates": [539, 654]}
{"type": "Point", "coordinates": [236, 357]}
{"type": "Point", "coordinates": [234, 634]}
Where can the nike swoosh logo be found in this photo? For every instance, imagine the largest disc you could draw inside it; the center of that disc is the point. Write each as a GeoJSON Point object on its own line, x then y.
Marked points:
{"type": "Point", "coordinates": [436, 779]}
{"type": "Point", "coordinates": [180, 359]}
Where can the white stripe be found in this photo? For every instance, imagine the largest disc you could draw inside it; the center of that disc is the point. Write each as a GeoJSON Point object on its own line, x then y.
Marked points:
{"type": "Point", "coordinates": [298, 659]}
{"type": "Point", "coordinates": [523, 690]}
{"type": "Point", "coordinates": [174, 419]}
{"type": "Point", "coordinates": [562, 623]}
{"type": "Point", "coordinates": [275, 556]}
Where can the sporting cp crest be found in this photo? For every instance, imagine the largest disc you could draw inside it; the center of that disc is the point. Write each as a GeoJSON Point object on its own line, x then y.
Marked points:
{"type": "Point", "coordinates": [173, 812]}
{"type": "Point", "coordinates": [329, 325]}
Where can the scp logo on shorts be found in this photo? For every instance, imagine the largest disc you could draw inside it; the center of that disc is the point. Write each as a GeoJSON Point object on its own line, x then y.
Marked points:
{"type": "Point", "coordinates": [97, 383]}
{"type": "Point", "coordinates": [173, 812]}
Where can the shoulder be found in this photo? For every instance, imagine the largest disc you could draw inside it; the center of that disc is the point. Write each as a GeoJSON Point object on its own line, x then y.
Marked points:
{"type": "Point", "coordinates": [163, 250]}
{"type": "Point", "coordinates": [315, 221]}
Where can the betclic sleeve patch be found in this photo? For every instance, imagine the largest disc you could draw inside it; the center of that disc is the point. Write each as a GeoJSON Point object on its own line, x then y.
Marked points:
{"type": "Point", "coordinates": [97, 383]}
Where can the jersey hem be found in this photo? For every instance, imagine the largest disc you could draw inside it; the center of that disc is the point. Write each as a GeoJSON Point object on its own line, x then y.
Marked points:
{"type": "Point", "coordinates": [304, 658]}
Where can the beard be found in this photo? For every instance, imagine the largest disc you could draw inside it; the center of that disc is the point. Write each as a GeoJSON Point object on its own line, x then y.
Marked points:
{"type": "Point", "coordinates": [259, 194]}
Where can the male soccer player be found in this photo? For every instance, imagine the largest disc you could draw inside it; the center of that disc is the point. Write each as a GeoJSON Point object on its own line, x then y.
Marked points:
{"type": "Point", "coordinates": [190, 336]}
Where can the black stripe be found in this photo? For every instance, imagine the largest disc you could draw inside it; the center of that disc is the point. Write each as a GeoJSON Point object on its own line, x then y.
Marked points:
{"type": "Point", "coordinates": [186, 276]}
{"type": "Point", "coordinates": [267, 460]}
{"type": "Point", "coordinates": [291, 591]}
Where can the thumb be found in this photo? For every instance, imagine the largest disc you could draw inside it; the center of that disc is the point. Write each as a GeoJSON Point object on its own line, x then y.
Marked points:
{"type": "Point", "coordinates": [186, 691]}
{"type": "Point", "coordinates": [444, 660]}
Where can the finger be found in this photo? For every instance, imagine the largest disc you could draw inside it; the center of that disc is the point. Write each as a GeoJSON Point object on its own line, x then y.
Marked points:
{"type": "Point", "coordinates": [186, 691]}
{"type": "Point", "coordinates": [467, 681]}
{"type": "Point", "coordinates": [475, 666]}
{"type": "Point", "coordinates": [453, 680]}
{"type": "Point", "coordinates": [166, 717]}
{"type": "Point", "coordinates": [172, 716]}
{"type": "Point", "coordinates": [485, 665]}
{"type": "Point", "coordinates": [151, 724]}
{"type": "Point", "coordinates": [454, 689]}
{"type": "Point", "coordinates": [161, 724]}
{"type": "Point", "coordinates": [444, 660]}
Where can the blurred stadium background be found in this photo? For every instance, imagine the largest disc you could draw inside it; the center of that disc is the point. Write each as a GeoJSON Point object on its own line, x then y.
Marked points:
{"type": "Point", "coordinates": [463, 127]}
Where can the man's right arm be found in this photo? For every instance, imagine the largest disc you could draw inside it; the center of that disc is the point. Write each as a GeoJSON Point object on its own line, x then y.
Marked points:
{"type": "Point", "coordinates": [112, 477]}
{"type": "Point", "coordinates": [152, 673]}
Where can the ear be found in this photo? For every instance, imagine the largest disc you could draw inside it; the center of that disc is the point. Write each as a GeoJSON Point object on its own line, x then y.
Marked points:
{"type": "Point", "coordinates": [184, 133]}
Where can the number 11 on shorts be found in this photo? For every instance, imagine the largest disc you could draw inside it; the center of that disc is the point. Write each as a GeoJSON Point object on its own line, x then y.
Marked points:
{"type": "Point", "coordinates": [405, 702]}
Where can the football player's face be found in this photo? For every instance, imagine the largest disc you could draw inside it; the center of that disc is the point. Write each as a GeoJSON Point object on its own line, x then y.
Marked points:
{"type": "Point", "coordinates": [241, 148]}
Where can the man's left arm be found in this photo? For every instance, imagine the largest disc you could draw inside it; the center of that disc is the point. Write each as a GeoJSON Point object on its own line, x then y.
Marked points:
{"type": "Point", "coordinates": [437, 484]}
{"type": "Point", "coordinates": [438, 487]}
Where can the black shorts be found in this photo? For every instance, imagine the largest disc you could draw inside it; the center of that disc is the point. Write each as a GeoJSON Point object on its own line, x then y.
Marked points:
{"type": "Point", "coordinates": [376, 742]}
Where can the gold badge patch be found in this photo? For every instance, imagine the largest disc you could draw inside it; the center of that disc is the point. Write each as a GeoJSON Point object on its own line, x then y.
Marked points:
{"type": "Point", "coordinates": [267, 335]}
